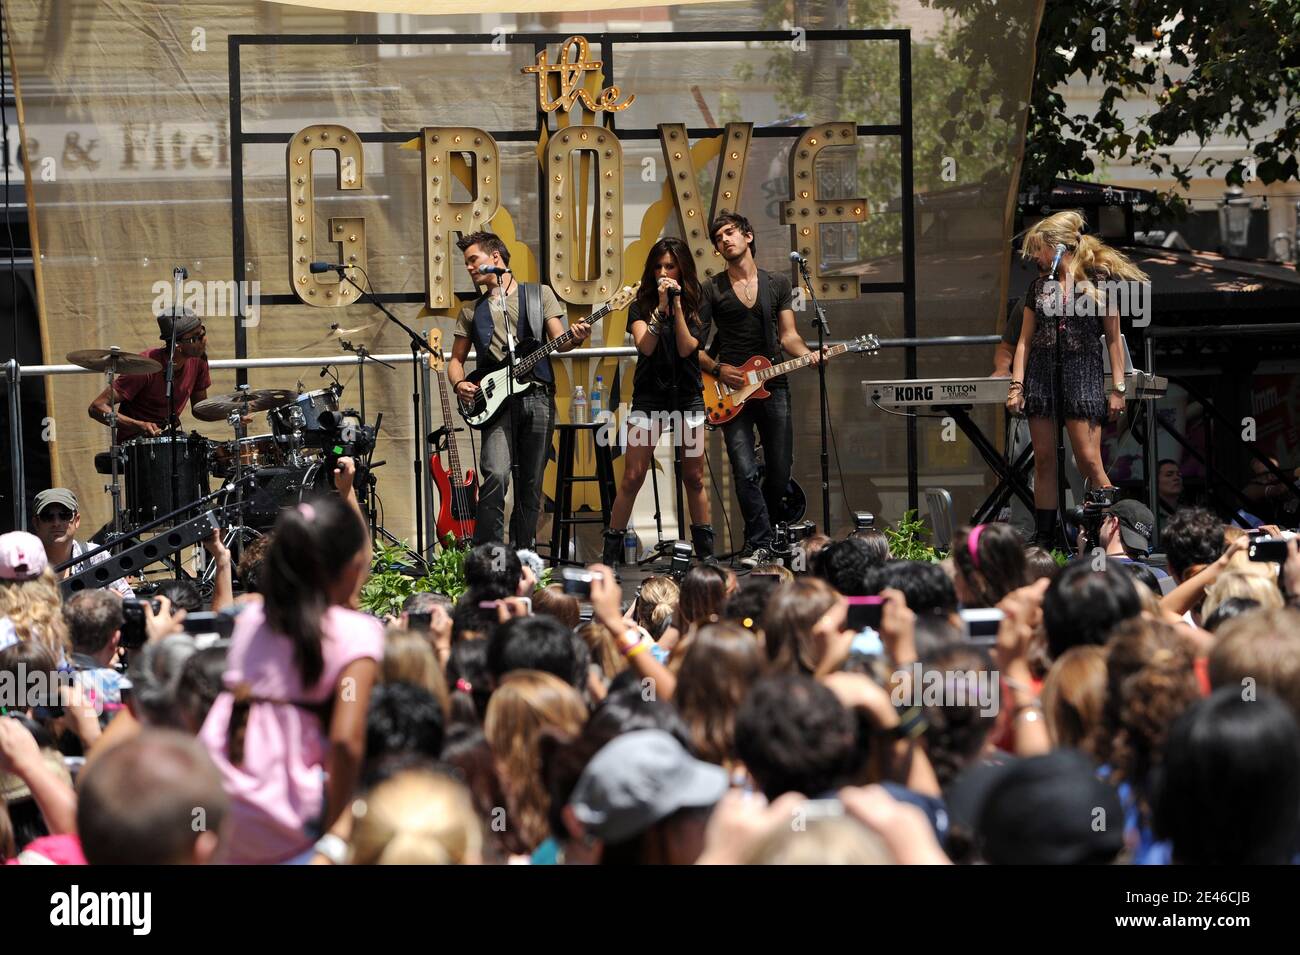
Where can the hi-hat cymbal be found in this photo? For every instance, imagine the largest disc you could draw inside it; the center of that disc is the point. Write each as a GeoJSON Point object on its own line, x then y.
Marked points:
{"type": "Point", "coordinates": [245, 402]}
{"type": "Point", "coordinates": [114, 360]}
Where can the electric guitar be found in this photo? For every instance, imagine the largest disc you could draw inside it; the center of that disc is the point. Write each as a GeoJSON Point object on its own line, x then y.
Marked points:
{"type": "Point", "coordinates": [457, 495]}
{"type": "Point", "coordinates": [494, 386]}
{"type": "Point", "coordinates": [723, 402]}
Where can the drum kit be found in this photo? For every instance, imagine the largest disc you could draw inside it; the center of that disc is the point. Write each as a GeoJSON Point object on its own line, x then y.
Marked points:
{"type": "Point", "coordinates": [286, 464]}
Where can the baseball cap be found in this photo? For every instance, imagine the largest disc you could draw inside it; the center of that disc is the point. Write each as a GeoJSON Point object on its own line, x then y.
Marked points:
{"type": "Point", "coordinates": [1136, 524]}
{"type": "Point", "coordinates": [185, 323]}
{"type": "Point", "coordinates": [640, 778]}
{"type": "Point", "coordinates": [56, 495]}
{"type": "Point", "coordinates": [22, 556]}
{"type": "Point", "coordinates": [1051, 810]}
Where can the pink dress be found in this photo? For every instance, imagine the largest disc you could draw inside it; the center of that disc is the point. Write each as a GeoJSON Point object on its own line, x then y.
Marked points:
{"type": "Point", "coordinates": [277, 791]}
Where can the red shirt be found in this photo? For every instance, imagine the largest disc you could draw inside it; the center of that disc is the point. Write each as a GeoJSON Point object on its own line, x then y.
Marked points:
{"type": "Point", "coordinates": [144, 397]}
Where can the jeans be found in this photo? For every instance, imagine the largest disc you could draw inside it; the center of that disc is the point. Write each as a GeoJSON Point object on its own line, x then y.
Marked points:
{"type": "Point", "coordinates": [758, 503]}
{"type": "Point", "coordinates": [524, 429]}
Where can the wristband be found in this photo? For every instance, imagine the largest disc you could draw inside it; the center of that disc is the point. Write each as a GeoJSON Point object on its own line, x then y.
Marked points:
{"type": "Point", "coordinates": [641, 647]}
{"type": "Point", "coordinates": [911, 723]}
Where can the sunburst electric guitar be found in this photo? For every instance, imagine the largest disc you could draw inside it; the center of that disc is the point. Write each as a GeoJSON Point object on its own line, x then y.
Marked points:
{"type": "Point", "coordinates": [457, 492]}
{"type": "Point", "coordinates": [494, 386]}
{"type": "Point", "coordinates": [723, 402]}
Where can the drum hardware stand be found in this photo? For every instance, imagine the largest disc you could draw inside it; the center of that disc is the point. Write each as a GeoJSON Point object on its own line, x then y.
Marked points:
{"type": "Point", "coordinates": [363, 355]}
{"type": "Point", "coordinates": [114, 449]}
{"type": "Point", "coordinates": [178, 309]}
{"type": "Point", "coordinates": [418, 344]}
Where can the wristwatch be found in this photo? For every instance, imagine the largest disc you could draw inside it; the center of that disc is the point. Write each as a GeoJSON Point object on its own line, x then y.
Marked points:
{"type": "Point", "coordinates": [1121, 388]}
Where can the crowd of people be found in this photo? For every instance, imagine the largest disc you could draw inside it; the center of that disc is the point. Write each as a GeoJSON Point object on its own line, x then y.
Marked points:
{"type": "Point", "coordinates": [1116, 715]}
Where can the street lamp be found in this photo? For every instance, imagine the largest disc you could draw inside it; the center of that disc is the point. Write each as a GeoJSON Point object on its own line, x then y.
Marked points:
{"type": "Point", "coordinates": [1234, 221]}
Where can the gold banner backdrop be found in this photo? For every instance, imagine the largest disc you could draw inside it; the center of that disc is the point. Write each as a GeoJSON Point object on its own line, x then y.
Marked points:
{"type": "Point", "coordinates": [126, 129]}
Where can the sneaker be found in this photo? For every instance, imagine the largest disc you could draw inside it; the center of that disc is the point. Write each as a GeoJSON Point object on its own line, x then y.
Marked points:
{"type": "Point", "coordinates": [753, 556]}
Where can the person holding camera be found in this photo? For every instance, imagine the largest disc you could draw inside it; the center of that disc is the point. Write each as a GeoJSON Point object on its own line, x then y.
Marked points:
{"type": "Point", "coordinates": [1088, 403]}
{"type": "Point", "coordinates": [1125, 534]}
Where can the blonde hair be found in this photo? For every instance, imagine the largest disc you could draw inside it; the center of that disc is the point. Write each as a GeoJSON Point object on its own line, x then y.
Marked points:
{"type": "Point", "coordinates": [833, 841]}
{"type": "Point", "coordinates": [1236, 582]}
{"type": "Point", "coordinates": [525, 703]}
{"type": "Point", "coordinates": [409, 658]}
{"type": "Point", "coordinates": [604, 651]}
{"type": "Point", "coordinates": [417, 818]}
{"type": "Point", "coordinates": [656, 601]}
{"type": "Point", "coordinates": [35, 608]}
{"type": "Point", "coordinates": [1074, 697]}
{"type": "Point", "coordinates": [1090, 258]}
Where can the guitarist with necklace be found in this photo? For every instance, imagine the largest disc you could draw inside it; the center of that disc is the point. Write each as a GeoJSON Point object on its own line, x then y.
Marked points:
{"type": "Point", "coordinates": [753, 314]}
{"type": "Point", "coordinates": [520, 436]}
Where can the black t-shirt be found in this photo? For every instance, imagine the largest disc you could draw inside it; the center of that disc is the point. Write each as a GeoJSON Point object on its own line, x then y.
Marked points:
{"type": "Point", "coordinates": [1015, 319]}
{"type": "Point", "coordinates": [740, 334]}
{"type": "Point", "coordinates": [663, 370]}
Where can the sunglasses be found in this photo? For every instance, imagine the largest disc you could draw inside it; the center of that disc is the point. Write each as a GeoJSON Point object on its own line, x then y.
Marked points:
{"type": "Point", "coordinates": [198, 336]}
{"type": "Point", "coordinates": [52, 515]}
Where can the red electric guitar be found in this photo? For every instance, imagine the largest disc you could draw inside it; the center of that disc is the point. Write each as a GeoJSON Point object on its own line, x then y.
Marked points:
{"type": "Point", "coordinates": [722, 402]}
{"type": "Point", "coordinates": [457, 495]}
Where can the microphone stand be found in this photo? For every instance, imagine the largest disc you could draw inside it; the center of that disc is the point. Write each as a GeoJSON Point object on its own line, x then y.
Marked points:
{"type": "Point", "coordinates": [823, 329]}
{"type": "Point", "coordinates": [1058, 405]}
{"type": "Point", "coordinates": [178, 278]}
{"type": "Point", "coordinates": [417, 344]}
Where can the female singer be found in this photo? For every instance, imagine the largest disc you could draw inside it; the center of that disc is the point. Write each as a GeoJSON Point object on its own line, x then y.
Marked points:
{"type": "Point", "coordinates": [668, 330]}
{"type": "Point", "coordinates": [1089, 403]}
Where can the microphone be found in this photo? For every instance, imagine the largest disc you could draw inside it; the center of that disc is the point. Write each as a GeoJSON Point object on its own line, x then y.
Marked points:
{"type": "Point", "coordinates": [796, 257]}
{"type": "Point", "coordinates": [492, 270]}
{"type": "Point", "coordinates": [318, 267]}
{"type": "Point", "coordinates": [325, 370]}
{"type": "Point", "coordinates": [1060, 251]}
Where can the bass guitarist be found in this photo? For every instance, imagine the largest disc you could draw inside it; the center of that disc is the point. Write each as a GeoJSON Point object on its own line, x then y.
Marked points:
{"type": "Point", "coordinates": [521, 435]}
{"type": "Point", "coordinates": [753, 314]}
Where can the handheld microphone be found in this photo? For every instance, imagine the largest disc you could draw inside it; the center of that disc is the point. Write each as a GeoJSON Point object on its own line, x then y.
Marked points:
{"type": "Point", "coordinates": [1060, 251]}
{"type": "Point", "coordinates": [317, 267]}
{"type": "Point", "coordinates": [796, 257]}
{"type": "Point", "coordinates": [492, 270]}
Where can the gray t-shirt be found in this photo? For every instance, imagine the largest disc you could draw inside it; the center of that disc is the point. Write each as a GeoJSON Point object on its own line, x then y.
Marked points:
{"type": "Point", "coordinates": [551, 308]}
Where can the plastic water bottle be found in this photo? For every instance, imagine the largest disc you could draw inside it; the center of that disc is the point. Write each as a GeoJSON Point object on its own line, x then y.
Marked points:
{"type": "Point", "coordinates": [630, 546]}
{"type": "Point", "coordinates": [598, 399]}
{"type": "Point", "coordinates": [578, 414]}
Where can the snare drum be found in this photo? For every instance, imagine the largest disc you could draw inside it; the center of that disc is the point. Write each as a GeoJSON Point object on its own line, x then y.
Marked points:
{"type": "Point", "coordinates": [149, 477]}
{"type": "Point", "coordinates": [254, 452]}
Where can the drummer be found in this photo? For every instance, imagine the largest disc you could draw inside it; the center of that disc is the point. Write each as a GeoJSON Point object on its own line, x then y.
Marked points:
{"type": "Point", "coordinates": [142, 399]}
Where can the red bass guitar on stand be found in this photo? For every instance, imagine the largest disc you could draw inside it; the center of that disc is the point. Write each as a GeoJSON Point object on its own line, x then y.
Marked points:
{"type": "Point", "coordinates": [457, 491]}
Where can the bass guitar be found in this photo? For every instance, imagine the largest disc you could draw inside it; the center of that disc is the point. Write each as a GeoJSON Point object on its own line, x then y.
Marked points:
{"type": "Point", "coordinates": [457, 492]}
{"type": "Point", "coordinates": [493, 380]}
{"type": "Point", "coordinates": [723, 402]}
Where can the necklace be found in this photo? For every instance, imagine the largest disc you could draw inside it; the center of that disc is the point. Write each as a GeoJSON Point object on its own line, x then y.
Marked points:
{"type": "Point", "coordinates": [746, 296]}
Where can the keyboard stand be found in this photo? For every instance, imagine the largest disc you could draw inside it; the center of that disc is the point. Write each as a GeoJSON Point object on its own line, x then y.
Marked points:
{"type": "Point", "coordinates": [1009, 477]}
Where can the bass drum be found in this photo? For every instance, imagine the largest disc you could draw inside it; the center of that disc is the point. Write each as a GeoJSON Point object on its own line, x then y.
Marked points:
{"type": "Point", "coordinates": [278, 488]}
{"type": "Point", "coordinates": [149, 477]}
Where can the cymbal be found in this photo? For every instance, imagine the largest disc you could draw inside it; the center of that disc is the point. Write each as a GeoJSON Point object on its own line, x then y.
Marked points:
{"type": "Point", "coordinates": [336, 332]}
{"type": "Point", "coordinates": [220, 406]}
{"type": "Point", "coordinates": [113, 359]}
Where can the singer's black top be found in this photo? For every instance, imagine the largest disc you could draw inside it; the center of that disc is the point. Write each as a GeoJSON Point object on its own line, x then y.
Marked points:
{"type": "Point", "coordinates": [663, 380]}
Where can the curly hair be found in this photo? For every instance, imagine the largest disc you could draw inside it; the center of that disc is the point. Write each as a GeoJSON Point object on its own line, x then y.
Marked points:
{"type": "Point", "coordinates": [35, 609]}
{"type": "Point", "coordinates": [1150, 681]}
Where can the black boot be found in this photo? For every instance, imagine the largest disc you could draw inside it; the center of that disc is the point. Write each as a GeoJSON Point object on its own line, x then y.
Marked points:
{"type": "Point", "coordinates": [702, 538]}
{"type": "Point", "coordinates": [1044, 527]}
{"type": "Point", "coordinates": [612, 553]}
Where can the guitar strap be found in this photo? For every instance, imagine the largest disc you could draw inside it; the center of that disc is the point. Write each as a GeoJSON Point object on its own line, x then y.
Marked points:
{"type": "Point", "coordinates": [532, 325]}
